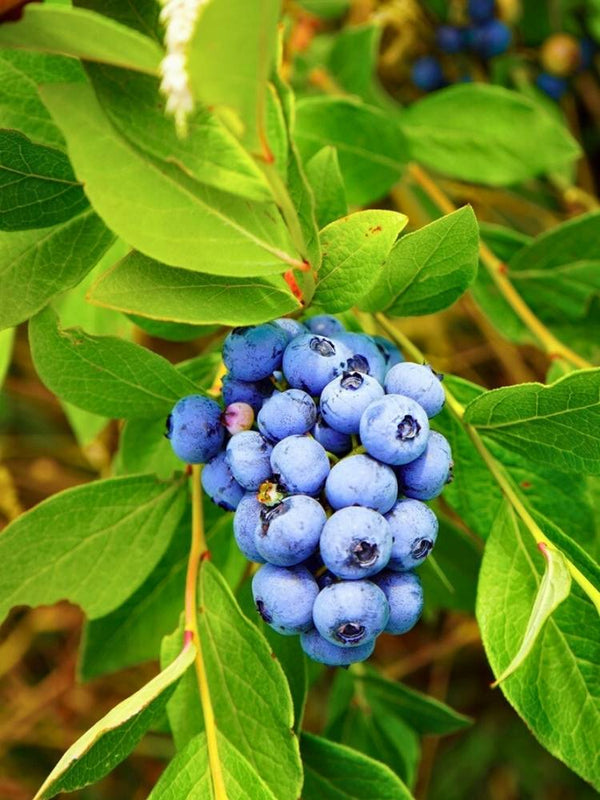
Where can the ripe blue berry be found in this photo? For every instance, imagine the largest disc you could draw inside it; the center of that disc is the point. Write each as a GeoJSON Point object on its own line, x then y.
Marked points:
{"type": "Point", "coordinates": [345, 398]}
{"type": "Point", "coordinates": [361, 481]}
{"type": "Point", "coordinates": [245, 520]}
{"type": "Point", "coordinates": [356, 543]}
{"type": "Point", "coordinates": [481, 10]}
{"type": "Point", "coordinates": [351, 613]}
{"type": "Point", "coordinates": [252, 393]}
{"type": "Point", "coordinates": [311, 361]}
{"type": "Point", "coordinates": [366, 356]}
{"type": "Point", "coordinates": [426, 73]}
{"type": "Point", "coordinates": [389, 351]}
{"type": "Point", "coordinates": [301, 464]}
{"type": "Point", "coordinates": [426, 477]}
{"type": "Point", "coordinates": [289, 532]}
{"type": "Point", "coordinates": [419, 382]}
{"type": "Point", "coordinates": [325, 325]}
{"type": "Point", "coordinates": [552, 85]}
{"type": "Point", "coordinates": [414, 529]}
{"type": "Point", "coordinates": [450, 39]}
{"type": "Point", "coordinates": [319, 649]}
{"type": "Point", "coordinates": [248, 456]}
{"type": "Point", "coordinates": [255, 352]}
{"type": "Point", "coordinates": [195, 430]}
{"type": "Point", "coordinates": [491, 38]}
{"type": "Point", "coordinates": [287, 413]}
{"type": "Point", "coordinates": [284, 598]}
{"type": "Point", "coordinates": [291, 327]}
{"type": "Point", "coordinates": [404, 594]}
{"type": "Point", "coordinates": [220, 485]}
{"type": "Point", "coordinates": [333, 441]}
{"type": "Point", "coordinates": [394, 429]}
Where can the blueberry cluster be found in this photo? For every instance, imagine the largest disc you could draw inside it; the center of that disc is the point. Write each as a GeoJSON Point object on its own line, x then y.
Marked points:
{"type": "Point", "coordinates": [325, 453]}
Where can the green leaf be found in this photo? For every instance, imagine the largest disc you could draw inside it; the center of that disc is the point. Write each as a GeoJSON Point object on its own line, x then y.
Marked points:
{"type": "Point", "coordinates": [111, 739]}
{"type": "Point", "coordinates": [37, 185]}
{"type": "Point", "coordinates": [143, 15]}
{"type": "Point", "coordinates": [335, 772]}
{"type": "Point", "coordinates": [104, 374]}
{"type": "Point", "coordinates": [172, 331]}
{"type": "Point", "coordinates": [20, 105]}
{"type": "Point", "coordinates": [140, 285]}
{"type": "Point", "coordinates": [143, 447]}
{"type": "Point", "coordinates": [156, 207]}
{"type": "Point", "coordinates": [243, 36]}
{"type": "Point", "coordinates": [209, 153]}
{"type": "Point", "coordinates": [556, 424]}
{"type": "Point", "coordinates": [474, 132]}
{"type": "Point", "coordinates": [371, 147]}
{"type": "Point", "coordinates": [552, 591]}
{"type": "Point", "coordinates": [6, 347]}
{"type": "Point", "coordinates": [429, 269]}
{"type": "Point", "coordinates": [93, 545]}
{"type": "Point", "coordinates": [325, 178]}
{"type": "Point", "coordinates": [355, 250]}
{"type": "Point", "coordinates": [82, 34]}
{"type": "Point", "coordinates": [249, 693]}
{"type": "Point", "coordinates": [555, 689]}
{"type": "Point", "coordinates": [37, 265]}
{"type": "Point", "coordinates": [188, 776]}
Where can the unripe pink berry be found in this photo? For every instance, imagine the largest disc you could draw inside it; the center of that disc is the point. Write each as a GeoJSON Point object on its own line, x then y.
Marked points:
{"type": "Point", "coordinates": [238, 417]}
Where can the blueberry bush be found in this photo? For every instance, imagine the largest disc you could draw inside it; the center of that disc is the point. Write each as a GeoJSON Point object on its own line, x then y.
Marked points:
{"type": "Point", "coordinates": [239, 177]}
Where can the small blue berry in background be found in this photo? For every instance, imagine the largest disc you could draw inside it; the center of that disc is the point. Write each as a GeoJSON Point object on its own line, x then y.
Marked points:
{"type": "Point", "coordinates": [254, 393]}
{"type": "Point", "coordinates": [291, 326]}
{"type": "Point", "coordinates": [356, 543]}
{"type": "Point", "coordinates": [414, 529]}
{"type": "Point", "coordinates": [419, 382]}
{"type": "Point", "coordinates": [238, 417]}
{"type": "Point", "coordinates": [245, 520]}
{"type": "Point", "coordinates": [310, 362]}
{"type": "Point", "coordinates": [248, 456]}
{"type": "Point", "coordinates": [254, 352]}
{"type": "Point", "coordinates": [491, 39]}
{"type": "Point", "coordinates": [391, 354]}
{"type": "Point", "coordinates": [404, 594]}
{"type": "Point", "coordinates": [287, 413]}
{"type": "Point", "coordinates": [301, 464]}
{"type": "Point", "coordinates": [360, 480]}
{"type": "Point", "coordinates": [325, 325]}
{"type": "Point", "coordinates": [351, 613]}
{"type": "Point", "coordinates": [319, 649]}
{"type": "Point", "coordinates": [366, 355]}
{"type": "Point", "coordinates": [427, 74]}
{"type": "Point", "coordinates": [195, 430]}
{"type": "Point", "coordinates": [450, 39]}
{"type": "Point", "coordinates": [394, 429]}
{"type": "Point", "coordinates": [220, 485]}
{"type": "Point", "coordinates": [425, 477]}
{"type": "Point", "coordinates": [552, 85]}
{"type": "Point", "coordinates": [333, 441]}
{"type": "Point", "coordinates": [289, 532]}
{"type": "Point", "coordinates": [481, 10]}
{"type": "Point", "coordinates": [284, 598]}
{"type": "Point", "coordinates": [344, 400]}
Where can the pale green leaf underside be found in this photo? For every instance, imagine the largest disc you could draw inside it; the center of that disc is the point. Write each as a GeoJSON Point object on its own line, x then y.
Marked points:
{"type": "Point", "coordinates": [325, 178]}
{"type": "Point", "coordinates": [6, 346]}
{"type": "Point", "coordinates": [111, 739]}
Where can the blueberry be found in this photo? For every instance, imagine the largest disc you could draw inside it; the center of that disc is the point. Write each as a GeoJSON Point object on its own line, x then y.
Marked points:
{"type": "Point", "coordinates": [284, 598]}
{"type": "Point", "coordinates": [288, 533]}
{"type": "Point", "coordinates": [220, 485]}
{"type": "Point", "coordinates": [481, 10]}
{"type": "Point", "coordinates": [311, 361]}
{"type": "Point", "coordinates": [366, 356]}
{"type": "Point", "coordinates": [245, 520]}
{"type": "Point", "coordinates": [255, 352]}
{"type": "Point", "coordinates": [389, 351]}
{"type": "Point", "coordinates": [491, 38]}
{"type": "Point", "coordinates": [238, 417]}
{"type": "Point", "coordinates": [394, 429]}
{"type": "Point", "coordinates": [414, 529]}
{"type": "Point", "coordinates": [426, 73]}
{"type": "Point", "coordinates": [356, 543]}
{"type": "Point", "coordinates": [248, 456]}
{"type": "Point", "coordinates": [319, 649]}
{"type": "Point", "coordinates": [195, 430]}
{"type": "Point", "coordinates": [253, 393]}
{"type": "Point", "coordinates": [404, 594]}
{"type": "Point", "coordinates": [301, 464]}
{"type": "Point", "coordinates": [552, 85]}
{"type": "Point", "coordinates": [325, 325]}
{"type": "Point", "coordinates": [418, 381]}
{"type": "Point", "coordinates": [333, 441]}
{"type": "Point", "coordinates": [291, 327]}
{"type": "Point", "coordinates": [287, 413]}
{"type": "Point", "coordinates": [426, 477]}
{"type": "Point", "coordinates": [450, 39]}
{"type": "Point", "coordinates": [344, 400]}
{"type": "Point", "coordinates": [350, 613]}
{"type": "Point", "coordinates": [361, 481]}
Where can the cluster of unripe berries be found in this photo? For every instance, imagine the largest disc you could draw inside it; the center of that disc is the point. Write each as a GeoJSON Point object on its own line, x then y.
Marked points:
{"type": "Point", "coordinates": [325, 452]}
{"type": "Point", "coordinates": [561, 56]}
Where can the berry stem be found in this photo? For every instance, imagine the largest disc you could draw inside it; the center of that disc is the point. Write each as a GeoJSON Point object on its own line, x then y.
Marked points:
{"type": "Point", "coordinates": [497, 271]}
{"type": "Point", "coordinates": [198, 552]}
